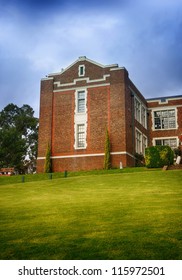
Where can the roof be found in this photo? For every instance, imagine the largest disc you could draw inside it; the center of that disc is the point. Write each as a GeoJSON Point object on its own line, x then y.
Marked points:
{"type": "Point", "coordinates": [84, 58]}
{"type": "Point", "coordinates": [163, 98]}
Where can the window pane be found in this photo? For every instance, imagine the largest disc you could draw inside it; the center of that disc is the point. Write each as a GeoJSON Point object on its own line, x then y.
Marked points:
{"type": "Point", "coordinates": [164, 119]}
{"type": "Point", "coordinates": [81, 136]}
{"type": "Point", "coordinates": [171, 113]}
{"type": "Point", "coordinates": [81, 102]}
{"type": "Point", "coordinates": [173, 143]}
{"type": "Point", "coordinates": [81, 70]}
{"type": "Point", "coordinates": [167, 142]}
{"type": "Point", "coordinates": [158, 142]}
{"type": "Point", "coordinates": [81, 95]}
{"type": "Point", "coordinates": [157, 114]}
{"type": "Point", "coordinates": [164, 114]}
{"type": "Point", "coordinates": [81, 106]}
{"type": "Point", "coordinates": [157, 123]}
{"type": "Point", "coordinates": [137, 110]}
{"type": "Point", "coordinates": [172, 122]}
{"type": "Point", "coordinates": [138, 142]}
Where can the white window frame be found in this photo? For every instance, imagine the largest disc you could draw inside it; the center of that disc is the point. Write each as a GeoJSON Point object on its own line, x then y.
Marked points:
{"type": "Point", "coordinates": [166, 138]}
{"type": "Point", "coordinates": [77, 136]}
{"type": "Point", "coordinates": [143, 143]}
{"type": "Point", "coordinates": [80, 118]}
{"type": "Point", "coordinates": [77, 101]}
{"type": "Point", "coordinates": [161, 109]}
{"type": "Point", "coordinates": [139, 116]}
{"type": "Point", "coordinates": [137, 110]}
{"type": "Point", "coordinates": [81, 70]}
{"type": "Point", "coordinates": [144, 116]}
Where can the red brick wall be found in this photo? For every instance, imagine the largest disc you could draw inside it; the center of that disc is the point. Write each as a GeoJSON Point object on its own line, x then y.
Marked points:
{"type": "Point", "coordinates": [105, 110]}
{"type": "Point", "coordinates": [63, 123]}
{"type": "Point", "coordinates": [166, 133]}
{"type": "Point", "coordinates": [86, 163]}
{"type": "Point", "coordinates": [110, 105]}
{"type": "Point", "coordinates": [45, 118]}
{"type": "Point", "coordinates": [117, 111]}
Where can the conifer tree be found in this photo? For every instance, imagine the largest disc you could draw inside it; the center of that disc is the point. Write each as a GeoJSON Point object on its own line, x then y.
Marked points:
{"type": "Point", "coordinates": [48, 165]}
{"type": "Point", "coordinates": [107, 159]}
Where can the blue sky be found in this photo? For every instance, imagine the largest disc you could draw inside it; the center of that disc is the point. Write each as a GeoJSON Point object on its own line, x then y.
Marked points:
{"type": "Point", "coordinates": [41, 37]}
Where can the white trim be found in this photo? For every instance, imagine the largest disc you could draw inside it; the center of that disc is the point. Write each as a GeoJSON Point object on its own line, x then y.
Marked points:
{"type": "Point", "coordinates": [136, 98]}
{"type": "Point", "coordinates": [84, 58]}
{"type": "Point", "coordinates": [87, 79]}
{"type": "Point", "coordinates": [83, 89]}
{"type": "Point", "coordinates": [118, 68]}
{"type": "Point", "coordinates": [167, 99]}
{"type": "Point", "coordinates": [47, 78]}
{"type": "Point", "coordinates": [164, 138]}
{"type": "Point", "coordinates": [88, 155]}
{"type": "Point", "coordinates": [79, 69]}
{"type": "Point", "coordinates": [166, 108]}
{"type": "Point", "coordinates": [80, 118]}
{"type": "Point", "coordinates": [75, 88]}
{"type": "Point", "coordinates": [141, 144]}
{"type": "Point", "coordinates": [122, 153]}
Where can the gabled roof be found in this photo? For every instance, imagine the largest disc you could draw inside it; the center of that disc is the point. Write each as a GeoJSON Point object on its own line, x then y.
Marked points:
{"type": "Point", "coordinates": [83, 58]}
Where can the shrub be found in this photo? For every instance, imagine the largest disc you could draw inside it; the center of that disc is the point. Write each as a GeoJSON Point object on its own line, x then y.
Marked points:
{"type": "Point", "coordinates": [107, 158]}
{"type": "Point", "coordinates": [139, 160]}
{"type": "Point", "coordinates": [48, 164]}
{"type": "Point", "coordinates": [158, 156]}
{"type": "Point", "coordinates": [178, 151]}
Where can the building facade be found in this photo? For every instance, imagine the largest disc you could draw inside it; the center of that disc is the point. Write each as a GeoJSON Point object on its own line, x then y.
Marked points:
{"type": "Point", "coordinates": [83, 101]}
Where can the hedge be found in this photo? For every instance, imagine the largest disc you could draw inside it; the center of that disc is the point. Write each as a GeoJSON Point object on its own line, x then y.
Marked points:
{"type": "Point", "coordinates": [158, 156]}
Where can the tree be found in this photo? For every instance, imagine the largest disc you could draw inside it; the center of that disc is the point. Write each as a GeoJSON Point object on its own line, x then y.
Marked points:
{"type": "Point", "coordinates": [48, 165]}
{"type": "Point", "coordinates": [107, 158]}
{"type": "Point", "coordinates": [18, 136]}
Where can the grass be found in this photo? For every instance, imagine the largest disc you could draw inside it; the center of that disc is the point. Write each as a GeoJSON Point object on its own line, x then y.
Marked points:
{"type": "Point", "coordinates": [121, 215]}
{"type": "Point", "coordinates": [5, 180]}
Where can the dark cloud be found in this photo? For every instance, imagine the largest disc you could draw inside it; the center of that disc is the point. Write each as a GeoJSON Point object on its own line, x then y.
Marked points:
{"type": "Point", "coordinates": [40, 37]}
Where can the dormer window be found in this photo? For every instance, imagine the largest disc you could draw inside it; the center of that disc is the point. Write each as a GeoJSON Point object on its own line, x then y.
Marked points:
{"type": "Point", "coordinates": [81, 70]}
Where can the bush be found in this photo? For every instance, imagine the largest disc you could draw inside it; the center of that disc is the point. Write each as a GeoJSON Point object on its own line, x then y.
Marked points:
{"type": "Point", "coordinates": [139, 160]}
{"type": "Point", "coordinates": [107, 158]}
{"type": "Point", "coordinates": [48, 163]}
{"type": "Point", "coordinates": [158, 156]}
{"type": "Point", "coordinates": [178, 152]}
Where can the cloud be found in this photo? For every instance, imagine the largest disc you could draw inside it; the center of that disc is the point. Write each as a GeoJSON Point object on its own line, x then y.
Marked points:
{"type": "Point", "coordinates": [143, 36]}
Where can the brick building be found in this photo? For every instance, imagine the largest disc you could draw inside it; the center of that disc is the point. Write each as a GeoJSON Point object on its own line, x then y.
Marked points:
{"type": "Point", "coordinates": [78, 104]}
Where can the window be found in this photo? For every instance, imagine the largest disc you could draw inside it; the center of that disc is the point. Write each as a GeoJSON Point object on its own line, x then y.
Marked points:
{"type": "Point", "coordinates": [81, 136]}
{"type": "Point", "coordinates": [81, 70]}
{"type": "Point", "coordinates": [137, 110]}
{"type": "Point", "coordinates": [80, 119]}
{"type": "Point", "coordinates": [81, 102]}
{"type": "Point", "coordinates": [140, 112]}
{"type": "Point", "coordinates": [172, 142]}
{"type": "Point", "coordinates": [144, 144]}
{"type": "Point", "coordinates": [138, 142]}
{"type": "Point", "coordinates": [141, 142]}
{"type": "Point", "coordinates": [143, 117]}
{"type": "Point", "coordinates": [164, 119]}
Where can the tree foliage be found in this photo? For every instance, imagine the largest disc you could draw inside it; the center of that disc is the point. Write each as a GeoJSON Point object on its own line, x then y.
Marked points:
{"type": "Point", "coordinates": [48, 165]}
{"type": "Point", "coordinates": [18, 135]}
{"type": "Point", "coordinates": [107, 158]}
{"type": "Point", "coordinates": [158, 156]}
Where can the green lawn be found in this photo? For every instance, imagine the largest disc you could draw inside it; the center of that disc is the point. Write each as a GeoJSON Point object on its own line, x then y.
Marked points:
{"type": "Point", "coordinates": [136, 215]}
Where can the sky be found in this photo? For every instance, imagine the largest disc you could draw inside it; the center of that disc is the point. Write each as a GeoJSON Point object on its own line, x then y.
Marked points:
{"type": "Point", "coordinates": [42, 37]}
